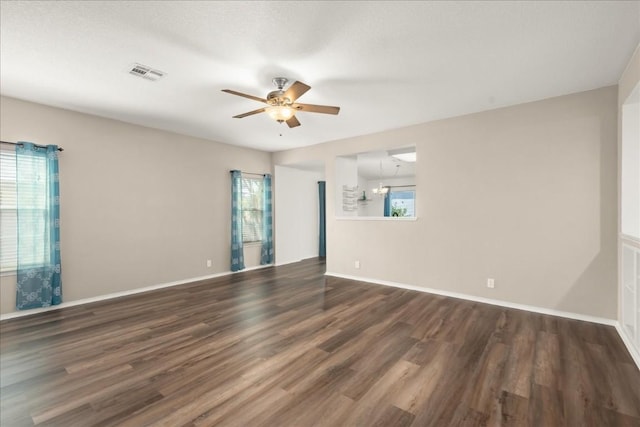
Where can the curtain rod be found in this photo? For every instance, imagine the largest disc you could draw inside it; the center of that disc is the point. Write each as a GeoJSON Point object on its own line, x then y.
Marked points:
{"type": "Point", "coordinates": [37, 145]}
{"type": "Point", "coordinates": [400, 186]}
{"type": "Point", "coordinates": [248, 173]}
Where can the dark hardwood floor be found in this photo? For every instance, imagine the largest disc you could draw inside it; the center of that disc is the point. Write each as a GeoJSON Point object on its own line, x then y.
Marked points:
{"type": "Point", "coordinates": [286, 346]}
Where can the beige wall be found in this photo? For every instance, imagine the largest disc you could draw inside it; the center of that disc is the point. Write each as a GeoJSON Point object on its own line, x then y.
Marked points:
{"type": "Point", "coordinates": [524, 194]}
{"type": "Point", "coordinates": [139, 207]}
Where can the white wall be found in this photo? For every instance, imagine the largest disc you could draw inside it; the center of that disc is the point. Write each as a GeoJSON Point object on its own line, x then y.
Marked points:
{"type": "Point", "coordinates": [347, 174]}
{"type": "Point", "coordinates": [524, 194]}
{"type": "Point", "coordinates": [628, 189]}
{"type": "Point", "coordinates": [139, 206]}
{"type": "Point", "coordinates": [362, 186]}
{"type": "Point", "coordinates": [630, 173]}
{"type": "Point", "coordinates": [296, 218]}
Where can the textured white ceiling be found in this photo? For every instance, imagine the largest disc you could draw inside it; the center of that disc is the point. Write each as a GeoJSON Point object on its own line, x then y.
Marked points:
{"type": "Point", "coordinates": [386, 64]}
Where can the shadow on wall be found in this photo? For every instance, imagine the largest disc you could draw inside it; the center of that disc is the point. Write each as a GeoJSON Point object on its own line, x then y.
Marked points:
{"type": "Point", "coordinates": [602, 270]}
{"type": "Point", "coordinates": [588, 288]}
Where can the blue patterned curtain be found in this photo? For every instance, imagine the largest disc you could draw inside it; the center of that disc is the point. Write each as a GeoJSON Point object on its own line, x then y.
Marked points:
{"type": "Point", "coordinates": [322, 219]}
{"type": "Point", "coordinates": [266, 254]}
{"type": "Point", "coordinates": [387, 202]}
{"type": "Point", "coordinates": [38, 205]}
{"type": "Point", "coordinates": [237, 251]}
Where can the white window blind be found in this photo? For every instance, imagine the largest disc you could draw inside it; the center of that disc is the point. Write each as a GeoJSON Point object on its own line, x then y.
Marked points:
{"type": "Point", "coordinates": [34, 210]}
{"type": "Point", "coordinates": [8, 212]}
{"type": "Point", "coordinates": [251, 209]}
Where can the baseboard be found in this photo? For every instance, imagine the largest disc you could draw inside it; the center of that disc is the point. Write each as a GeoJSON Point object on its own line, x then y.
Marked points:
{"type": "Point", "coordinates": [15, 314]}
{"type": "Point", "coordinates": [531, 308]}
{"type": "Point", "coordinates": [628, 342]}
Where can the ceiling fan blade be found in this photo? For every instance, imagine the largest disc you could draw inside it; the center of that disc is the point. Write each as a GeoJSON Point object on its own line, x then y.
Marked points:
{"type": "Point", "coordinates": [296, 90]}
{"type": "Point", "coordinates": [255, 98]}
{"type": "Point", "coordinates": [250, 113]}
{"type": "Point", "coordinates": [310, 108]}
{"type": "Point", "coordinates": [293, 122]}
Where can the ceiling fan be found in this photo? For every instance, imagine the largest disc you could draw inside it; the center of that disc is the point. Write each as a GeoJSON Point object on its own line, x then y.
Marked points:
{"type": "Point", "coordinates": [281, 105]}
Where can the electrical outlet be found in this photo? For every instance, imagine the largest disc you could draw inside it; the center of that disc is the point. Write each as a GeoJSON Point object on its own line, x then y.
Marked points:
{"type": "Point", "coordinates": [357, 264]}
{"type": "Point", "coordinates": [208, 263]}
{"type": "Point", "coordinates": [490, 283]}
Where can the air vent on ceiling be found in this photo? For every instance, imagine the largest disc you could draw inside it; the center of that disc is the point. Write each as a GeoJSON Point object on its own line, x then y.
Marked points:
{"type": "Point", "coordinates": [146, 72]}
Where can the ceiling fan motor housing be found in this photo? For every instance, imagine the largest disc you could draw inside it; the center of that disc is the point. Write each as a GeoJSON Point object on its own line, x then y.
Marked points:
{"type": "Point", "coordinates": [279, 82]}
{"type": "Point", "coordinates": [276, 97]}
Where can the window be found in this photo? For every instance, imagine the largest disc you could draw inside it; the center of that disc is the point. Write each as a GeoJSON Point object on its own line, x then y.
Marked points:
{"type": "Point", "coordinates": [403, 203]}
{"type": "Point", "coordinates": [8, 212]}
{"type": "Point", "coordinates": [35, 208]}
{"type": "Point", "coordinates": [252, 198]}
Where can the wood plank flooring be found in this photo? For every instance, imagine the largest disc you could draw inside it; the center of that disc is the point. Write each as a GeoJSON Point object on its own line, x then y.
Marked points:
{"type": "Point", "coordinates": [285, 346]}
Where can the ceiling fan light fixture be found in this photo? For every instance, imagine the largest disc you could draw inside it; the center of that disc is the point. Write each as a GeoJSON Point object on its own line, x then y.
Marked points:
{"type": "Point", "coordinates": [381, 190]}
{"type": "Point", "coordinates": [280, 113]}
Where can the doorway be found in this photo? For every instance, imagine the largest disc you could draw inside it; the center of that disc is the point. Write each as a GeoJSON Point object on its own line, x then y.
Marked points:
{"type": "Point", "coordinates": [297, 211]}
